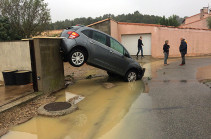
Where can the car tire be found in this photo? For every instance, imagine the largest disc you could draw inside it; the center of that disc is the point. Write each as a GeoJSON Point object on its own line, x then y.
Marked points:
{"type": "Point", "coordinates": [131, 76]}
{"type": "Point", "coordinates": [77, 58]}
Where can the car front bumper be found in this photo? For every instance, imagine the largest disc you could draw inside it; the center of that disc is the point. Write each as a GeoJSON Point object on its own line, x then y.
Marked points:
{"type": "Point", "coordinates": [141, 73]}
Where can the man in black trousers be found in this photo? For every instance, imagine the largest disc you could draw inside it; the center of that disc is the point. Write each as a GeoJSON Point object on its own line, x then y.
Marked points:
{"type": "Point", "coordinates": [140, 44]}
{"type": "Point", "coordinates": [183, 50]}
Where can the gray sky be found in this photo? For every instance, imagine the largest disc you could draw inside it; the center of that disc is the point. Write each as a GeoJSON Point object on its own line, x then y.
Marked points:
{"type": "Point", "coordinates": [70, 9]}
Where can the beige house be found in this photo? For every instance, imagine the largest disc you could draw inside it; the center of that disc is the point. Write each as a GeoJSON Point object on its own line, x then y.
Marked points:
{"type": "Point", "coordinates": [154, 36]}
{"type": "Point", "coordinates": [198, 20]}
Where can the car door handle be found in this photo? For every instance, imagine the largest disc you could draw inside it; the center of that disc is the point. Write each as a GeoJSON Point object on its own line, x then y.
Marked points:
{"type": "Point", "coordinates": [91, 42]}
{"type": "Point", "coordinates": [111, 51]}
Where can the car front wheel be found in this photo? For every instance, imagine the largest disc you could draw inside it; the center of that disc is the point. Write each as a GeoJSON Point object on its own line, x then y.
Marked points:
{"type": "Point", "coordinates": [131, 76]}
{"type": "Point", "coordinates": [77, 58]}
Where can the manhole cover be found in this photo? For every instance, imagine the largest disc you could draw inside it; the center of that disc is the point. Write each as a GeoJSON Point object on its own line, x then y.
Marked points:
{"type": "Point", "coordinates": [57, 106]}
{"type": "Point", "coordinates": [57, 109]}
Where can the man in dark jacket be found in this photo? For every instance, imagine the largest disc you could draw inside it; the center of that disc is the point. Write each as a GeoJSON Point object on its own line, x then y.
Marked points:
{"type": "Point", "coordinates": [183, 50]}
{"type": "Point", "coordinates": [140, 44]}
{"type": "Point", "coordinates": [166, 51]}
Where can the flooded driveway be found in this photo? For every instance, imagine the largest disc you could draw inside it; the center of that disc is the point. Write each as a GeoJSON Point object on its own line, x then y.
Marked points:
{"type": "Point", "coordinates": [170, 102]}
{"type": "Point", "coordinates": [100, 104]}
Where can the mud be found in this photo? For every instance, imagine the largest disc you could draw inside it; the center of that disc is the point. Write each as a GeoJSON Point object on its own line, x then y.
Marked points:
{"type": "Point", "coordinates": [22, 113]}
{"type": "Point", "coordinates": [102, 109]}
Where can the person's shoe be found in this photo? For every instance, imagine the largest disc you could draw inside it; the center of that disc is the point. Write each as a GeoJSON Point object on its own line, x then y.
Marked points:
{"type": "Point", "coordinates": [142, 56]}
{"type": "Point", "coordinates": [165, 64]}
{"type": "Point", "coordinates": [182, 64]}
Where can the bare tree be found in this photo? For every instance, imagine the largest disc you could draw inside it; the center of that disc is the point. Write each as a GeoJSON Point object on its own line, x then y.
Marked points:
{"type": "Point", "coordinates": [27, 17]}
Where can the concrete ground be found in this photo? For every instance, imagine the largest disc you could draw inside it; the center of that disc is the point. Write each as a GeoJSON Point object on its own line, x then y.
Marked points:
{"type": "Point", "coordinates": [170, 102]}
{"type": "Point", "coordinates": [14, 92]}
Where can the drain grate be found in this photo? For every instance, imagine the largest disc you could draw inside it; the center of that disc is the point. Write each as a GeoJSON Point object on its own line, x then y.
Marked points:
{"type": "Point", "coordinates": [57, 106]}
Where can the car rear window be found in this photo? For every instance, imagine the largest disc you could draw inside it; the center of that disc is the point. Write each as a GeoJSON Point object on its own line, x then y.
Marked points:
{"type": "Point", "coordinates": [99, 37]}
{"type": "Point", "coordinates": [87, 32]}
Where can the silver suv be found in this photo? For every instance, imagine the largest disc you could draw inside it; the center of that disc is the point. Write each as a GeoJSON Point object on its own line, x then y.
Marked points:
{"type": "Point", "coordinates": [83, 44]}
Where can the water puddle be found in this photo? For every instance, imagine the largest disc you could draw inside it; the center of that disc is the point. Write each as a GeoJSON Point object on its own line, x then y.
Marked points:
{"type": "Point", "coordinates": [204, 73]}
{"type": "Point", "coordinates": [100, 109]}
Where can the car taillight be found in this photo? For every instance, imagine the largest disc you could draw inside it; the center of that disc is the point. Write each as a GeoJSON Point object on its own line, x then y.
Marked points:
{"type": "Point", "coordinates": [72, 35]}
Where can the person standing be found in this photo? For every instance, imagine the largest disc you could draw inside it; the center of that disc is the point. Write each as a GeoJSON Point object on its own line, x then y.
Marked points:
{"type": "Point", "coordinates": [166, 52]}
{"type": "Point", "coordinates": [183, 50]}
{"type": "Point", "coordinates": [140, 44]}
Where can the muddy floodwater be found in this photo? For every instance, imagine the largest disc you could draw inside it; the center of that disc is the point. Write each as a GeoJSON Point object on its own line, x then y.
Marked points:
{"type": "Point", "coordinates": [204, 73]}
{"type": "Point", "coordinates": [104, 106]}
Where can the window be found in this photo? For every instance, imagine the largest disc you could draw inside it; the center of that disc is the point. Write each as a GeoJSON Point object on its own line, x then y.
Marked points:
{"type": "Point", "coordinates": [87, 32]}
{"type": "Point", "coordinates": [99, 37]}
{"type": "Point", "coordinates": [116, 46]}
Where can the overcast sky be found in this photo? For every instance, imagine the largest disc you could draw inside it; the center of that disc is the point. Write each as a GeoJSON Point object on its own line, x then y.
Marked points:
{"type": "Point", "coordinates": [70, 9]}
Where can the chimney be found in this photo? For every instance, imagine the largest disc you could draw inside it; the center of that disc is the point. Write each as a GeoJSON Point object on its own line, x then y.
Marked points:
{"type": "Point", "coordinates": [204, 12]}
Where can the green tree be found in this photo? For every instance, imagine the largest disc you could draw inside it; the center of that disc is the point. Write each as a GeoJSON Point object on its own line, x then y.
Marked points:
{"type": "Point", "coordinates": [171, 21]}
{"type": "Point", "coordinates": [27, 17]}
{"type": "Point", "coordinates": [135, 17]}
{"type": "Point", "coordinates": [6, 32]}
{"type": "Point", "coordinates": [164, 21]}
{"type": "Point", "coordinates": [209, 22]}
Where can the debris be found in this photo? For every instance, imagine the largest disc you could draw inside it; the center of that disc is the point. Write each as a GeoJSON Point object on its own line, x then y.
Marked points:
{"type": "Point", "coordinates": [109, 85]}
{"type": "Point", "coordinates": [68, 83]}
{"type": "Point", "coordinates": [149, 78]}
{"type": "Point", "coordinates": [89, 77]}
{"type": "Point", "coordinates": [69, 80]}
{"type": "Point", "coordinates": [73, 98]}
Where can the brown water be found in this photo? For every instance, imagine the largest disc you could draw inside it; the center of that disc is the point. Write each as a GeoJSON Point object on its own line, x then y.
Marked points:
{"type": "Point", "coordinates": [100, 111]}
{"type": "Point", "coordinates": [204, 73]}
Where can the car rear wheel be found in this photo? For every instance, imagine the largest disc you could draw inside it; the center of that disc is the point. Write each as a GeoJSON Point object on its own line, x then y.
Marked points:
{"type": "Point", "coordinates": [131, 76]}
{"type": "Point", "coordinates": [77, 58]}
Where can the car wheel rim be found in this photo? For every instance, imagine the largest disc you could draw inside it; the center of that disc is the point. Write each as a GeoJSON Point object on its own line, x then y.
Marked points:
{"type": "Point", "coordinates": [77, 58]}
{"type": "Point", "coordinates": [131, 76]}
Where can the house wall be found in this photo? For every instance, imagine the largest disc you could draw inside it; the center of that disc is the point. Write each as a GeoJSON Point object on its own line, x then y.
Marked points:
{"type": "Point", "coordinates": [114, 29]}
{"type": "Point", "coordinates": [14, 56]}
{"type": "Point", "coordinates": [104, 27]}
{"type": "Point", "coordinates": [199, 42]}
